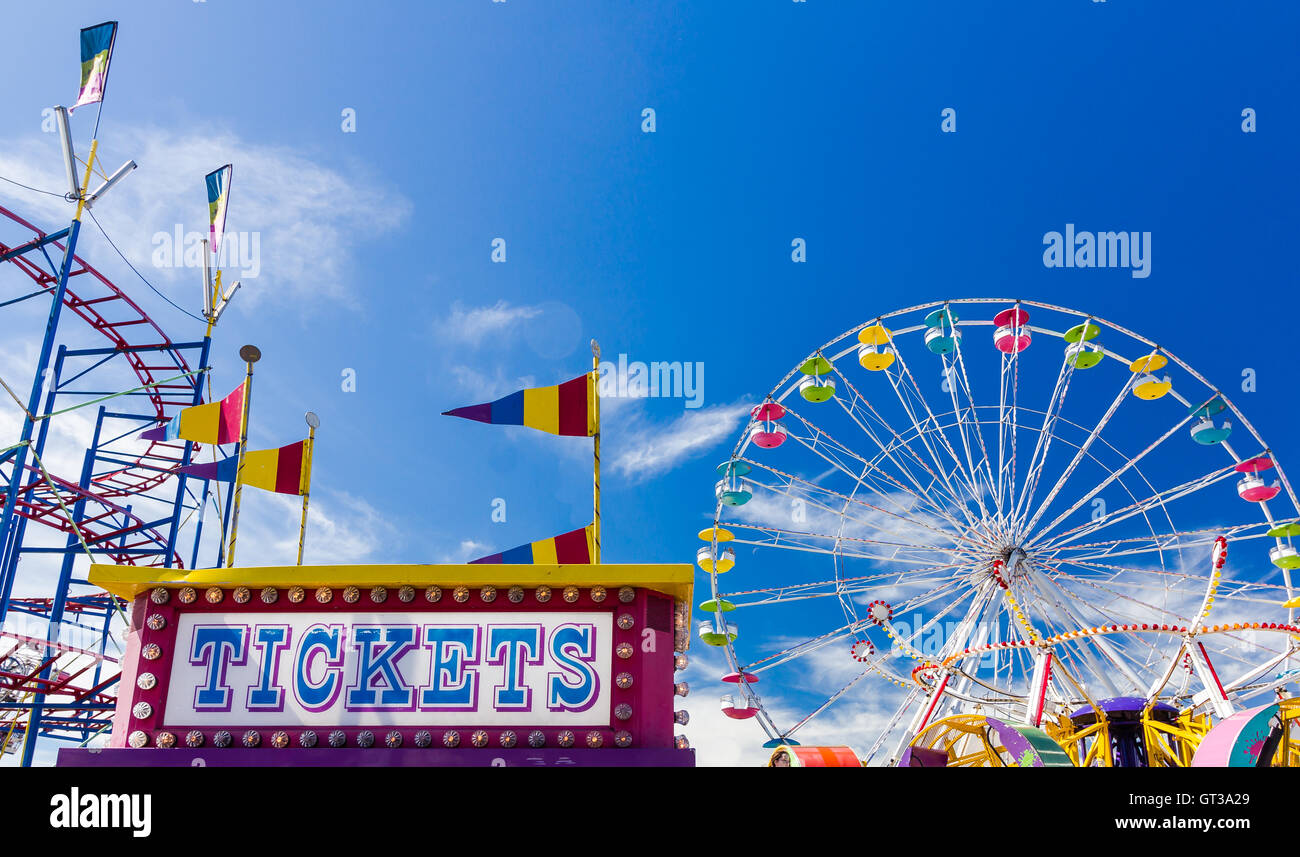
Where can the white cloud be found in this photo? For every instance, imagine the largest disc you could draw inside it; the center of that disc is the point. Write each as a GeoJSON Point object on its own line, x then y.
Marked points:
{"type": "Point", "coordinates": [341, 529]}
{"type": "Point", "coordinates": [489, 387]}
{"type": "Point", "coordinates": [474, 324]}
{"type": "Point", "coordinates": [467, 550]}
{"type": "Point", "coordinates": [641, 449]}
{"type": "Point", "coordinates": [856, 720]}
{"type": "Point", "coordinates": [717, 739]}
{"type": "Point", "coordinates": [311, 218]}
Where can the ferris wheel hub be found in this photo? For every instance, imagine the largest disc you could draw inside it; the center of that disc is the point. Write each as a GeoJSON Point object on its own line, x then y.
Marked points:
{"type": "Point", "coordinates": [1015, 560]}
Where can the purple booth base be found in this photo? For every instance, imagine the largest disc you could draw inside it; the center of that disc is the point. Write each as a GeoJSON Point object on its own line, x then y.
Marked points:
{"type": "Point", "coordinates": [232, 757]}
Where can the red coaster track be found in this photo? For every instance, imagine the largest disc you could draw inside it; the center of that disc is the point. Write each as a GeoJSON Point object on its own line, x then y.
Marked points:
{"type": "Point", "coordinates": [152, 357]}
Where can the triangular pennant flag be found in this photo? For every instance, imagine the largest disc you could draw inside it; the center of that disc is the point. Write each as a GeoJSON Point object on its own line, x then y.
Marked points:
{"type": "Point", "coordinates": [574, 547]}
{"type": "Point", "coordinates": [565, 409]}
{"type": "Point", "coordinates": [96, 53]}
{"type": "Point", "coordinates": [286, 470]}
{"type": "Point", "coordinates": [218, 182]}
{"type": "Point", "coordinates": [214, 423]}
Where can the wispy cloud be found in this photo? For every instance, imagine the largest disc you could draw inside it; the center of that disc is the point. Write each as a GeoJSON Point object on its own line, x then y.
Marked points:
{"type": "Point", "coordinates": [487, 386]}
{"type": "Point", "coordinates": [341, 528]}
{"type": "Point", "coordinates": [471, 325]}
{"type": "Point", "coordinates": [312, 218]}
{"type": "Point", "coordinates": [467, 550]}
{"type": "Point", "coordinates": [856, 720]}
{"type": "Point", "coordinates": [642, 449]}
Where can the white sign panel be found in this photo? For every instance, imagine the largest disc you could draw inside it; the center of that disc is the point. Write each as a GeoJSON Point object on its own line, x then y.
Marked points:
{"type": "Point", "coordinates": [391, 669]}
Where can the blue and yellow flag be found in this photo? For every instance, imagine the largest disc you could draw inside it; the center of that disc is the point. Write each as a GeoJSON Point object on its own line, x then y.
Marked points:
{"type": "Point", "coordinates": [218, 182]}
{"type": "Point", "coordinates": [96, 52]}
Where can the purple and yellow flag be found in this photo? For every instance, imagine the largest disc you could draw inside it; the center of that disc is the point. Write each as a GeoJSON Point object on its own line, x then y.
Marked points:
{"type": "Point", "coordinates": [222, 471]}
{"type": "Point", "coordinates": [286, 470]}
{"type": "Point", "coordinates": [96, 52]}
{"type": "Point", "coordinates": [218, 422]}
{"type": "Point", "coordinates": [573, 547]}
{"type": "Point", "coordinates": [565, 409]}
{"type": "Point", "coordinates": [218, 182]}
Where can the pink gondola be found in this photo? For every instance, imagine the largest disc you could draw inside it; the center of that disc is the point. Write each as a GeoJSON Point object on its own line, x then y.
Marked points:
{"type": "Point", "coordinates": [734, 711]}
{"type": "Point", "coordinates": [767, 433]}
{"type": "Point", "coordinates": [1252, 487]}
{"type": "Point", "coordinates": [1011, 336]}
{"type": "Point", "coordinates": [1254, 465]}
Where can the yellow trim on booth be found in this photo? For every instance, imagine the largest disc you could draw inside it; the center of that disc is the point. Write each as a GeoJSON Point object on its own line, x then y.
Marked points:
{"type": "Point", "coordinates": [128, 581]}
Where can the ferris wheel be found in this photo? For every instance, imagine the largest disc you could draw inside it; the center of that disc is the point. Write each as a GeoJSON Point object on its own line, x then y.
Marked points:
{"type": "Point", "coordinates": [1002, 510]}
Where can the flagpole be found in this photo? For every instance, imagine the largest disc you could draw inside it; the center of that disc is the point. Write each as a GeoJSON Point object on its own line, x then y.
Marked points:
{"type": "Point", "coordinates": [251, 355]}
{"type": "Point", "coordinates": [595, 385]}
{"type": "Point", "coordinates": [312, 422]}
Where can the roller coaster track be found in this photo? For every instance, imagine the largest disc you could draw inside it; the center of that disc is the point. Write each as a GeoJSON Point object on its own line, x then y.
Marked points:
{"type": "Point", "coordinates": [153, 358]}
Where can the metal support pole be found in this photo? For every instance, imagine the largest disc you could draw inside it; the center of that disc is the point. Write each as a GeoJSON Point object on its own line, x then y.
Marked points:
{"type": "Point", "coordinates": [251, 355]}
{"type": "Point", "coordinates": [10, 568]}
{"type": "Point", "coordinates": [225, 514]}
{"type": "Point", "coordinates": [7, 522]}
{"type": "Point", "coordinates": [595, 385]}
{"type": "Point", "coordinates": [312, 422]}
{"type": "Point", "coordinates": [174, 529]}
{"type": "Point", "coordinates": [198, 529]}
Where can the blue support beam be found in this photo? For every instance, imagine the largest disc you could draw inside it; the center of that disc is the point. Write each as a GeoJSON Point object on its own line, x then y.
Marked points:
{"type": "Point", "coordinates": [35, 245]}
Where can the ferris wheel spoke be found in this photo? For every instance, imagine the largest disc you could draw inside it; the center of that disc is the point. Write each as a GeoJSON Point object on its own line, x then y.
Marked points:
{"type": "Point", "coordinates": [968, 625]}
{"type": "Point", "coordinates": [897, 442]}
{"type": "Point", "coordinates": [1270, 594]}
{"type": "Point", "coordinates": [977, 475]}
{"type": "Point", "coordinates": [979, 432]}
{"type": "Point", "coordinates": [1106, 568]}
{"type": "Point", "coordinates": [1078, 456]}
{"type": "Point", "coordinates": [1042, 445]}
{"type": "Point", "coordinates": [835, 697]}
{"type": "Point", "coordinates": [818, 442]}
{"type": "Point", "coordinates": [1013, 360]}
{"type": "Point", "coordinates": [839, 544]}
{"type": "Point", "coordinates": [845, 546]}
{"type": "Point", "coordinates": [1115, 474]}
{"type": "Point", "coordinates": [1051, 596]}
{"type": "Point", "coordinates": [804, 647]}
{"type": "Point", "coordinates": [811, 489]}
{"type": "Point", "coordinates": [1160, 498]}
{"type": "Point", "coordinates": [815, 643]}
{"type": "Point", "coordinates": [1141, 607]}
{"type": "Point", "coordinates": [901, 443]}
{"type": "Point", "coordinates": [831, 588]}
{"type": "Point", "coordinates": [895, 383]}
{"type": "Point", "coordinates": [1160, 542]}
{"type": "Point", "coordinates": [1155, 654]}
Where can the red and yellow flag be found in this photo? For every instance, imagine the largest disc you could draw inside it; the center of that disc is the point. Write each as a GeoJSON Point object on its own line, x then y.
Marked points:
{"type": "Point", "coordinates": [214, 423]}
{"type": "Point", "coordinates": [286, 470]}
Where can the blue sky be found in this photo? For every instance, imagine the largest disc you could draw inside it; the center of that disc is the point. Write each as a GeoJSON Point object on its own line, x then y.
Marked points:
{"type": "Point", "coordinates": [774, 121]}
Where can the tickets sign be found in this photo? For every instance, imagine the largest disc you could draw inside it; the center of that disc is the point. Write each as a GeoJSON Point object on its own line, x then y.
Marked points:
{"type": "Point", "coordinates": [392, 669]}
{"type": "Point", "coordinates": [421, 665]}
